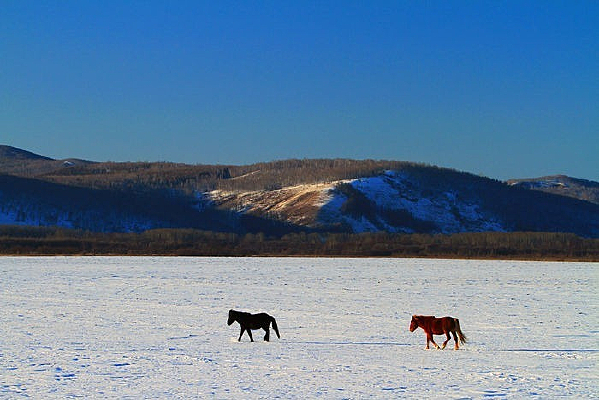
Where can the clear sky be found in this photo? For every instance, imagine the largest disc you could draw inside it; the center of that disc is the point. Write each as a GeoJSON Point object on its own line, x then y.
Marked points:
{"type": "Point", "coordinates": [504, 89]}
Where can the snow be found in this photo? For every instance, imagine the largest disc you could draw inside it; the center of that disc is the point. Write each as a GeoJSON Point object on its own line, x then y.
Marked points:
{"type": "Point", "coordinates": [155, 327]}
{"type": "Point", "coordinates": [397, 190]}
{"type": "Point", "coordinates": [33, 217]}
{"type": "Point", "coordinates": [30, 216]}
{"type": "Point", "coordinates": [541, 183]}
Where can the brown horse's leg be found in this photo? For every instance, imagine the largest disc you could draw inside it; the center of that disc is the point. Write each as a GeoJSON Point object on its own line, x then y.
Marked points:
{"type": "Point", "coordinates": [445, 342]}
{"type": "Point", "coordinates": [455, 339]}
{"type": "Point", "coordinates": [429, 337]}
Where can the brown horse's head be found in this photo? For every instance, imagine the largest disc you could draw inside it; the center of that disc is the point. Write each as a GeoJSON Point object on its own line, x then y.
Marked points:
{"type": "Point", "coordinates": [231, 317]}
{"type": "Point", "coordinates": [414, 323]}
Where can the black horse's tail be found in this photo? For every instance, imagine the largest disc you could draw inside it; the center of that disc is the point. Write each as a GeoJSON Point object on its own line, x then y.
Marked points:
{"type": "Point", "coordinates": [461, 336]}
{"type": "Point", "coordinates": [274, 326]}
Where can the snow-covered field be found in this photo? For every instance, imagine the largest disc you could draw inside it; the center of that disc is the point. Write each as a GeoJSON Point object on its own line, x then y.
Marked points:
{"type": "Point", "coordinates": [155, 327]}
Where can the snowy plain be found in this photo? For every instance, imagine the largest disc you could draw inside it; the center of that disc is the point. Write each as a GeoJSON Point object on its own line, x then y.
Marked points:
{"type": "Point", "coordinates": [155, 327]}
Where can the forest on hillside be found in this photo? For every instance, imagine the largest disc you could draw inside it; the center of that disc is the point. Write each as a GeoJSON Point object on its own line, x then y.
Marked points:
{"type": "Point", "coordinates": [200, 178]}
{"type": "Point", "coordinates": [137, 196]}
{"type": "Point", "coordinates": [197, 178]}
{"type": "Point", "coordinates": [20, 240]}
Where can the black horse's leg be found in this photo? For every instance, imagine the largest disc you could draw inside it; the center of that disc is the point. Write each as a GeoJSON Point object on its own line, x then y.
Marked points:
{"type": "Point", "coordinates": [240, 334]}
{"type": "Point", "coordinates": [267, 336]}
{"type": "Point", "coordinates": [250, 334]}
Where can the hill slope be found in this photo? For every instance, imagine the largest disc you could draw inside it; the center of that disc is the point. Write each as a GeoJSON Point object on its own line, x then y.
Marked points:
{"type": "Point", "coordinates": [276, 198]}
{"type": "Point", "coordinates": [24, 163]}
{"type": "Point", "coordinates": [562, 185]}
{"type": "Point", "coordinates": [417, 199]}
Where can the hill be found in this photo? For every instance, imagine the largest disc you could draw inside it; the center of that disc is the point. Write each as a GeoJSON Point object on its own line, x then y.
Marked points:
{"type": "Point", "coordinates": [8, 154]}
{"type": "Point", "coordinates": [14, 161]}
{"type": "Point", "coordinates": [275, 198]}
{"type": "Point", "coordinates": [581, 189]}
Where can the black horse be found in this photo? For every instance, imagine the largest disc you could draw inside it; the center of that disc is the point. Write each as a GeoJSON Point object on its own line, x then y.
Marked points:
{"type": "Point", "coordinates": [249, 321]}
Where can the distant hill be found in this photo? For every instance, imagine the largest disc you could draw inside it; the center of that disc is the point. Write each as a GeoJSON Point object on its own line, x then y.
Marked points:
{"type": "Point", "coordinates": [8, 154]}
{"type": "Point", "coordinates": [563, 185]}
{"type": "Point", "coordinates": [322, 195]}
{"type": "Point", "coordinates": [24, 163]}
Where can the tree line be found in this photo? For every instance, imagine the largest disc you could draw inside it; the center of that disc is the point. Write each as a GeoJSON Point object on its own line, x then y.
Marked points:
{"type": "Point", "coordinates": [201, 178]}
{"type": "Point", "coordinates": [27, 240]}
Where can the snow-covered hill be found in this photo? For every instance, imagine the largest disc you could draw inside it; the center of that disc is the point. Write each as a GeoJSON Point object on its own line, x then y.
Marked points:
{"type": "Point", "coordinates": [563, 185]}
{"type": "Point", "coordinates": [393, 202]}
{"type": "Point", "coordinates": [403, 205]}
{"type": "Point", "coordinates": [398, 201]}
{"type": "Point", "coordinates": [280, 197]}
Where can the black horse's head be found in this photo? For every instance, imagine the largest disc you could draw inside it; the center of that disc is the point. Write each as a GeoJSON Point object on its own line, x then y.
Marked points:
{"type": "Point", "coordinates": [231, 317]}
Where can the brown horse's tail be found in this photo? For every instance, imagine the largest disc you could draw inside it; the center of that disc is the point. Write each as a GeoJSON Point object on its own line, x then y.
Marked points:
{"type": "Point", "coordinates": [461, 336]}
{"type": "Point", "coordinates": [274, 326]}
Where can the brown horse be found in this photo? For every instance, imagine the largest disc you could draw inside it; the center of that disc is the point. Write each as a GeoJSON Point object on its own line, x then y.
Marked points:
{"type": "Point", "coordinates": [249, 321]}
{"type": "Point", "coordinates": [438, 326]}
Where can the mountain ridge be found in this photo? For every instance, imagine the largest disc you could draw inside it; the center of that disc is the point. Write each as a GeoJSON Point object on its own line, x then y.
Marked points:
{"type": "Point", "coordinates": [9, 152]}
{"type": "Point", "coordinates": [321, 195]}
{"type": "Point", "coordinates": [582, 189]}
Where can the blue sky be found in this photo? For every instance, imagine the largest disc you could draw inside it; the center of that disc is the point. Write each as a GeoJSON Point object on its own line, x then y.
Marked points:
{"type": "Point", "coordinates": [500, 88]}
